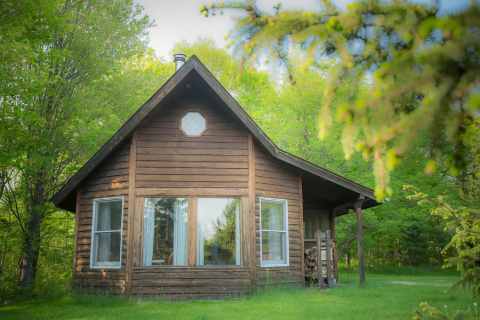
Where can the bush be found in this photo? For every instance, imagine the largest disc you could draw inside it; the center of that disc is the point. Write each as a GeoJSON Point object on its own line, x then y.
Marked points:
{"type": "Point", "coordinates": [428, 312]}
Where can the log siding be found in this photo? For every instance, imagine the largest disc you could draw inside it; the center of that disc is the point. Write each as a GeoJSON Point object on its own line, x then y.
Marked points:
{"type": "Point", "coordinates": [275, 180]}
{"type": "Point", "coordinates": [215, 164]}
{"type": "Point", "coordinates": [108, 180]}
{"type": "Point", "coordinates": [161, 161]}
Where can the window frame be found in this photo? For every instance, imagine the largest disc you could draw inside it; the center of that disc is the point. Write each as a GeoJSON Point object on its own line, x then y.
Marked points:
{"type": "Point", "coordinates": [266, 264]}
{"type": "Point", "coordinates": [180, 122]}
{"type": "Point", "coordinates": [142, 250]}
{"type": "Point", "coordinates": [238, 234]}
{"type": "Point", "coordinates": [108, 265]}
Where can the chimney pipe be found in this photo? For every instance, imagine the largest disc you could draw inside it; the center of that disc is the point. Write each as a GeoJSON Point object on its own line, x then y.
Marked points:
{"type": "Point", "coordinates": [179, 59]}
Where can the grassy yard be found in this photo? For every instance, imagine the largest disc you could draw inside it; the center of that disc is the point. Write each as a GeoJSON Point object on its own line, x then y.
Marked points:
{"type": "Point", "coordinates": [385, 297]}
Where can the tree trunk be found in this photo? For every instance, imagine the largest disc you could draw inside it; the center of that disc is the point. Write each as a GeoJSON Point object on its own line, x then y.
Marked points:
{"type": "Point", "coordinates": [31, 238]}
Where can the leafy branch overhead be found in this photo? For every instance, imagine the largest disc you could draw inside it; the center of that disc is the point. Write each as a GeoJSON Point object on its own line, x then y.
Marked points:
{"type": "Point", "coordinates": [414, 71]}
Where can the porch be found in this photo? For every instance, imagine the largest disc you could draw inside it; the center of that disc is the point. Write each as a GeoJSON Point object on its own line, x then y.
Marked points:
{"type": "Point", "coordinates": [323, 201]}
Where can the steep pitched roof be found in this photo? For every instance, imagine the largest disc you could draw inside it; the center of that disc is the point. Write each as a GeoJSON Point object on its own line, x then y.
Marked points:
{"type": "Point", "coordinates": [65, 197]}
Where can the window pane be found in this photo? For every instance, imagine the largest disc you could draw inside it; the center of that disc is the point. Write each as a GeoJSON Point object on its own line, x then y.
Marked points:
{"type": "Point", "coordinates": [193, 124]}
{"type": "Point", "coordinates": [273, 247]}
{"type": "Point", "coordinates": [272, 215]}
{"type": "Point", "coordinates": [218, 231]}
{"type": "Point", "coordinates": [165, 231]}
{"type": "Point", "coordinates": [109, 215]}
{"type": "Point", "coordinates": [107, 247]}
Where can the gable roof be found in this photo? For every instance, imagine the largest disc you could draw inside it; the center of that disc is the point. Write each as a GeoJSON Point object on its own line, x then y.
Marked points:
{"type": "Point", "coordinates": [65, 197]}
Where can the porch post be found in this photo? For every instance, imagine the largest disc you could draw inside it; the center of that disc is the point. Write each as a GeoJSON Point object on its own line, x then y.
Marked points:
{"type": "Point", "coordinates": [318, 234]}
{"type": "Point", "coordinates": [360, 253]}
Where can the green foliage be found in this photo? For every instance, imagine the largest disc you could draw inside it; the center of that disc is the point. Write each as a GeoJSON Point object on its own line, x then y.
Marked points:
{"type": "Point", "coordinates": [463, 250]}
{"type": "Point", "coordinates": [114, 97]}
{"type": "Point", "coordinates": [428, 312]}
{"type": "Point", "coordinates": [51, 51]}
{"type": "Point", "coordinates": [250, 87]}
{"type": "Point", "coordinates": [421, 71]}
{"type": "Point", "coordinates": [398, 232]}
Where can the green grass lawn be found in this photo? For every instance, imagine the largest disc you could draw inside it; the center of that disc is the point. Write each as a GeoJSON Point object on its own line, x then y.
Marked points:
{"type": "Point", "coordinates": [384, 297]}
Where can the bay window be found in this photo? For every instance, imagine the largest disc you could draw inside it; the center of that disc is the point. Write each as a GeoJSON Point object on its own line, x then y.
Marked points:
{"type": "Point", "coordinates": [273, 232]}
{"type": "Point", "coordinates": [215, 227]}
{"type": "Point", "coordinates": [106, 249]}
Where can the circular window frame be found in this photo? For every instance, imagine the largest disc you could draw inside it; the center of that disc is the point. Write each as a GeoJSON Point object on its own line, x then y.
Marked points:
{"type": "Point", "coordinates": [185, 114]}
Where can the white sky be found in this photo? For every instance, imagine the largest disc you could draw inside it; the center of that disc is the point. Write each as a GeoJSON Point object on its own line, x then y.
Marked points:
{"type": "Point", "coordinates": [181, 20]}
{"type": "Point", "coordinates": [178, 20]}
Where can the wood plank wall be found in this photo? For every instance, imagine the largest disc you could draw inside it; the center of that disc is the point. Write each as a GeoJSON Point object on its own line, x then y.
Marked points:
{"type": "Point", "coordinates": [276, 180]}
{"type": "Point", "coordinates": [168, 159]}
{"type": "Point", "coordinates": [172, 164]}
{"type": "Point", "coordinates": [224, 162]}
{"type": "Point", "coordinates": [108, 180]}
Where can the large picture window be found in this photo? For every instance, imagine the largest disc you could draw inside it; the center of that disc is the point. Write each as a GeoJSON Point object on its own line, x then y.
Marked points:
{"type": "Point", "coordinates": [218, 231]}
{"type": "Point", "coordinates": [106, 247]}
{"type": "Point", "coordinates": [165, 231]}
{"type": "Point", "coordinates": [274, 232]}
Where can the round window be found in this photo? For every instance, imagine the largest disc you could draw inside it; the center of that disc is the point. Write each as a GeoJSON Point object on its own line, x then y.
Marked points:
{"type": "Point", "coordinates": [193, 124]}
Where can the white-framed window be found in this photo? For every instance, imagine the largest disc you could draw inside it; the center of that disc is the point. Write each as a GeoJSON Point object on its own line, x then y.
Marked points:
{"type": "Point", "coordinates": [193, 124]}
{"type": "Point", "coordinates": [165, 231]}
{"type": "Point", "coordinates": [218, 231]}
{"type": "Point", "coordinates": [107, 224]}
{"type": "Point", "coordinates": [273, 232]}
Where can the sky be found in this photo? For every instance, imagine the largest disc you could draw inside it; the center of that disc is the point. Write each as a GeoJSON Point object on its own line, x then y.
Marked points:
{"type": "Point", "coordinates": [180, 20]}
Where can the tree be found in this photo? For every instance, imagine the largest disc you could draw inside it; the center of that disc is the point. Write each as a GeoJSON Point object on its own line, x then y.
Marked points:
{"type": "Point", "coordinates": [251, 87]}
{"type": "Point", "coordinates": [421, 70]}
{"type": "Point", "coordinates": [390, 237]}
{"type": "Point", "coordinates": [464, 224]}
{"type": "Point", "coordinates": [51, 51]}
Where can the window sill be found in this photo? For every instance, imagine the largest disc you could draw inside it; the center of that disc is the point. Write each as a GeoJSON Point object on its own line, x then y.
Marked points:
{"type": "Point", "coordinates": [267, 266]}
{"type": "Point", "coordinates": [106, 267]}
{"type": "Point", "coordinates": [191, 267]}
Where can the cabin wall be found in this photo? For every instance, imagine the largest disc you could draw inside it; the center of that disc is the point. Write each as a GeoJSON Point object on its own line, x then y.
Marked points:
{"type": "Point", "coordinates": [108, 180]}
{"type": "Point", "coordinates": [223, 162]}
{"type": "Point", "coordinates": [166, 158]}
{"type": "Point", "coordinates": [168, 163]}
{"type": "Point", "coordinates": [275, 180]}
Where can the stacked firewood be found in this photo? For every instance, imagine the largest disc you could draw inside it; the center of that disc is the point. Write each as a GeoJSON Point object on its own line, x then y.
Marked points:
{"type": "Point", "coordinates": [311, 265]}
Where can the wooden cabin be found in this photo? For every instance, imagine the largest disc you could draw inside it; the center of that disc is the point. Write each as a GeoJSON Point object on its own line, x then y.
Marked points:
{"type": "Point", "coordinates": [190, 198]}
